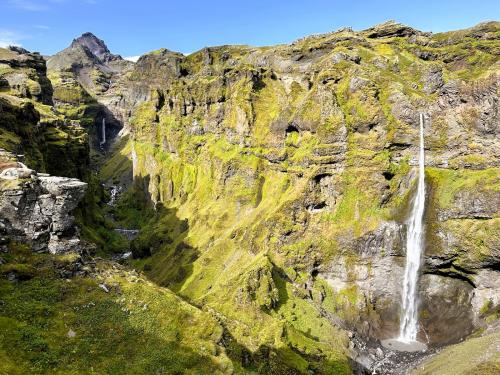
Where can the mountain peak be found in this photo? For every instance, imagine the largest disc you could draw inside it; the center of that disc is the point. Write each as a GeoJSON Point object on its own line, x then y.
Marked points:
{"type": "Point", "coordinates": [96, 46]}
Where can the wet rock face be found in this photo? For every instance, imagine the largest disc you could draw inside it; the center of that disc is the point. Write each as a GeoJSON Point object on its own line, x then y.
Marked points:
{"type": "Point", "coordinates": [452, 299]}
{"type": "Point", "coordinates": [37, 210]}
{"type": "Point", "coordinates": [377, 275]}
{"type": "Point", "coordinates": [446, 313]}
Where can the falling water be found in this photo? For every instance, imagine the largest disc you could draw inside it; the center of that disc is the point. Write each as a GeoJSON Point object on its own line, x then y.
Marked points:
{"type": "Point", "coordinates": [414, 249]}
{"type": "Point", "coordinates": [103, 128]}
{"type": "Point", "coordinates": [134, 161]}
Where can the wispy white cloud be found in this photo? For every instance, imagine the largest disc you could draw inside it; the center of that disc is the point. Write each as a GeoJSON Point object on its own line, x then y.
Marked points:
{"type": "Point", "coordinates": [42, 5]}
{"type": "Point", "coordinates": [132, 58]}
{"type": "Point", "coordinates": [9, 38]}
{"type": "Point", "coordinates": [41, 27]}
{"type": "Point", "coordinates": [29, 5]}
{"type": "Point", "coordinates": [39, 5]}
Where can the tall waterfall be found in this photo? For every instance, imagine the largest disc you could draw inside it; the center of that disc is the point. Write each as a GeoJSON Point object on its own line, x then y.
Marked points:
{"type": "Point", "coordinates": [103, 129]}
{"type": "Point", "coordinates": [414, 249]}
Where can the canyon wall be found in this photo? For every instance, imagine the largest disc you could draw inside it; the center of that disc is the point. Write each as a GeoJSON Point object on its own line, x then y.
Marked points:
{"type": "Point", "coordinates": [271, 186]}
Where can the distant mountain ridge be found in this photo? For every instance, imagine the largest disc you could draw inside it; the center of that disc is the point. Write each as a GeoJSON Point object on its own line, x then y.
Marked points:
{"type": "Point", "coordinates": [87, 51]}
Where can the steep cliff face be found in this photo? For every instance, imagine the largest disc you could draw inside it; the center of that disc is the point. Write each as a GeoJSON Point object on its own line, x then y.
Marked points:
{"type": "Point", "coordinates": [60, 309]}
{"type": "Point", "coordinates": [29, 125]}
{"type": "Point", "coordinates": [298, 159]}
{"type": "Point", "coordinates": [24, 74]}
{"type": "Point", "coordinates": [83, 76]}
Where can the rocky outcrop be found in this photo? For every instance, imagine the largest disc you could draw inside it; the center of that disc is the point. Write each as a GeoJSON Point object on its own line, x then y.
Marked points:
{"type": "Point", "coordinates": [25, 74]}
{"type": "Point", "coordinates": [35, 209]}
{"type": "Point", "coordinates": [392, 29]}
{"type": "Point", "coordinates": [96, 46]}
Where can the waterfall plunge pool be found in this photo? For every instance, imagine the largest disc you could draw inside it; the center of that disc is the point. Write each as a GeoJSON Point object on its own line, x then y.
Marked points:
{"type": "Point", "coordinates": [403, 346]}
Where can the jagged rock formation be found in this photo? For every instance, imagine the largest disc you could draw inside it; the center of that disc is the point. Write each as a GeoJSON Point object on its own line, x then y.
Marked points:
{"type": "Point", "coordinates": [96, 46]}
{"type": "Point", "coordinates": [87, 51]}
{"type": "Point", "coordinates": [36, 209]}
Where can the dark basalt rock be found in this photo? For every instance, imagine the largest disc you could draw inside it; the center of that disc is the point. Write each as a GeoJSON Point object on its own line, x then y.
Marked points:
{"type": "Point", "coordinates": [391, 29]}
{"type": "Point", "coordinates": [96, 46]}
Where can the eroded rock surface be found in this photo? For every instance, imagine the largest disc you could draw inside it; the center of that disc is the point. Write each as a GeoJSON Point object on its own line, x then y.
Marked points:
{"type": "Point", "coordinates": [307, 152]}
{"type": "Point", "coordinates": [36, 209]}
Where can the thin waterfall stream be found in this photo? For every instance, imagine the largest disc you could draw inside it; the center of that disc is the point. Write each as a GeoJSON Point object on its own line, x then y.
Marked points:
{"type": "Point", "coordinates": [414, 249]}
{"type": "Point", "coordinates": [409, 327]}
{"type": "Point", "coordinates": [103, 129]}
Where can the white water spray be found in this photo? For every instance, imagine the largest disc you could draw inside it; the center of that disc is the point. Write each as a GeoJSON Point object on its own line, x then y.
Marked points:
{"type": "Point", "coordinates": [414, 248]}
{"type": "Point", "coordinates": [134, 161]}
{"type": "Point", "coordinates": [103, 128]}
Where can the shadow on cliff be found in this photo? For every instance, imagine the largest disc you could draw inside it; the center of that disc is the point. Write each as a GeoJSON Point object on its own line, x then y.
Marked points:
{"type": "Point", "coordinates": [112, 128]}
{"type": "Point", "coordinates": [164, 253]}
{"type": "Point", "coordinates": [288, 360]}
{"type": "Point", "coordinates": [161, 245]}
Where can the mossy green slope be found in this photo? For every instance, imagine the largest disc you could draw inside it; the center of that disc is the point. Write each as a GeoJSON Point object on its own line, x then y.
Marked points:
{"type": "Point", "coordinates": [114, 322]}
{"type": "Point", "coordinates": [478, 355]}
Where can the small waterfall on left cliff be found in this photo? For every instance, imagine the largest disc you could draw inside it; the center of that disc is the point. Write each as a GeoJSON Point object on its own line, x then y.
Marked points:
{"type": "Point", "coordinates": [103, 130]}
{"type": "Point", "coordinates": [408, 331]}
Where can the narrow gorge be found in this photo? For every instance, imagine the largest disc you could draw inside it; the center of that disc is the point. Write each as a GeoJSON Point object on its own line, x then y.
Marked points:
{"type": "Point", "coordinates": [328, 206]}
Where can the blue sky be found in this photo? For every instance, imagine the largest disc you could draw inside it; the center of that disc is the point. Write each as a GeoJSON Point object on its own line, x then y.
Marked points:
{"type": "Point", "coordinates": [132, 27]}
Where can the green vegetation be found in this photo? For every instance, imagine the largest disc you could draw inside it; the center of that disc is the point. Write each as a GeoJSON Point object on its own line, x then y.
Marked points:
{"type": "Point", "coordinates": [475, 356]}
{"type": "Point", "coordinates": [220, 210]}
{"type": "Point", "coordinates": [448, 183]}
{"type": "Point", "coordinates": [72, 326]}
